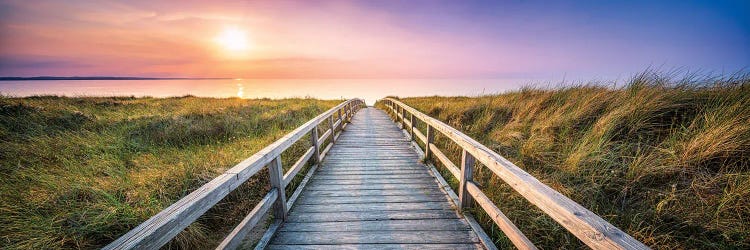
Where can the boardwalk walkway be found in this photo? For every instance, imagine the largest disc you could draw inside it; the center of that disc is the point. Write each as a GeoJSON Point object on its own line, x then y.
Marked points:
{"type": "Point", "coordinates": [372, 193]}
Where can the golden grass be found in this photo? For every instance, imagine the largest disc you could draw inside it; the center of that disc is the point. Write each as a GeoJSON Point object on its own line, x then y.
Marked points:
{"type": "Point", "coordinates": [80, 172]}
{"type": "Point", "coordinates": [667, 160]}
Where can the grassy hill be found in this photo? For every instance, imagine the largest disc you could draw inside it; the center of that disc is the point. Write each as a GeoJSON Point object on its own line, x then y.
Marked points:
{"type": "Point", "coordinates": [666, 160]}
{"type": "Point", "coordinates": [80, 172]}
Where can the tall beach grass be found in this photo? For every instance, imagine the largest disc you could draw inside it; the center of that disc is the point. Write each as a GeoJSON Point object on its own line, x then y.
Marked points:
{"type": "Point", "coordinates": [80, 172]}
{"type": "Point", "coordinates": [666, 159]}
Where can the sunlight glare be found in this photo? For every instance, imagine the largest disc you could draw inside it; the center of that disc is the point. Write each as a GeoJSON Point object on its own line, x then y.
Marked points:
{"type": "Point", "coordinates": [233, 39]}
{"type": "Point", "coordinates": [240, 90]}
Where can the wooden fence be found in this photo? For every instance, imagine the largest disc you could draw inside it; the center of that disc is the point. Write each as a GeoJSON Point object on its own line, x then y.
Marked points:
{"type": "Point", "coordinates": [584, 224]}
{"type": "Point", "coordinates": [162, 227]}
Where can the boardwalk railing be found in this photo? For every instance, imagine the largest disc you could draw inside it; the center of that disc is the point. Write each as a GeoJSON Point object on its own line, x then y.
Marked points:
{"type": "Point", "coordinates": [162, 227]}
{"type": "Point", "coordinates": [584, 224]}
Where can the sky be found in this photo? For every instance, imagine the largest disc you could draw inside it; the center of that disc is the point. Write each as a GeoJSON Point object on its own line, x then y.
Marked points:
{"type": "Point", "coordinates": [371, 39]}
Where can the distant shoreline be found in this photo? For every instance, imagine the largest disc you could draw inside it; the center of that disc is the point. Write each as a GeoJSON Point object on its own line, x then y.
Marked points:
{"type": "Point", "coordinates": [51, 78]}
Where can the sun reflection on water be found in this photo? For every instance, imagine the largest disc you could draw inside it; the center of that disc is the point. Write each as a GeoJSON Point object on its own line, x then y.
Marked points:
{"type": "Point", "coordinates": [240, 90]}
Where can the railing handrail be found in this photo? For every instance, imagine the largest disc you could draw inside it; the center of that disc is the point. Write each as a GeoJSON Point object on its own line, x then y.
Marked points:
{"type": "Point", "coordinates": [165, 225]}
{"type": "Point", "coordinates": [591, 229]}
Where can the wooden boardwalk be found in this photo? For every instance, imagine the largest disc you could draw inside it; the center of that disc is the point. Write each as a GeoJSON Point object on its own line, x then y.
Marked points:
{"type": "Point", "coordinates": [371, 192]}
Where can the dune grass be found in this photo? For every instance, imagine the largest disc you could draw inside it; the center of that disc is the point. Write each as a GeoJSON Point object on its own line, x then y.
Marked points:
{"type": "Point", "coordinates": [667, 160]}
{"type": "Point", "coordinates": [80, 172]}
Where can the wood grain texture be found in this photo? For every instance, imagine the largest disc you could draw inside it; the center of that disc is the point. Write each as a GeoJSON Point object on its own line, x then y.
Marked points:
{"type": "Point", "coordinates": [165, 225]}
{"type": "Point", "coordinates": [234, 239]}
{"type": "Point", "coordinates": [371, 191]}
{"type": "Point", "coordinates": [378, 246]}
{"type": "Point", "coordinates": [511, 231]}
{"type": "Point", "coordinates": [591, 229]}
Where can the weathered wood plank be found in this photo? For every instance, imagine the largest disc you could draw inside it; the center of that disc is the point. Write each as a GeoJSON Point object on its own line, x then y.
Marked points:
{"type": "Point", "coordinates": [370, 199]}
{"type": "Point", "coordinates": [234, 239]}
{"type": "Point", "coordinates": [419, 135]}
{"type": "Point", "coordinates": [378, 246]}
{"type": "Point", "coordinates": [274, 176]}
{"type": "Point", "coordinates": [367, 181]}
{"type": "Point", "coordinates": [375, 215]}
{"type": "Point", "coordinates": [511, 231]}
{"type": "Point", "coordinates": [289, 176]}
{"type": "Point", "coordinates": [371, 181]}
{"type": "Point", "coordinates": [388, 225]}
{"type": "Point", "coordinates": [467, 175]}
{"type": "Point", "coordinates": [584, 224]}
{"type": "Point", "coordinates": [394, 172]}
{"type": "Point", "coordinates": [316, 186]}
{"type": "Point", "coordinates": [368, 207]}
{"type": "Point", "coordinates": [374, 175]}
{"type": "Point", "coordinates": [375, 237]}
{"type": "Point", "coordinates": [301, 187]}
{"type": "Point", "coordinates": [370, 192]}
{"type": "Point", "coordinates": [268, 235]}
{"type": "Point", "coordinates": [445, 161]}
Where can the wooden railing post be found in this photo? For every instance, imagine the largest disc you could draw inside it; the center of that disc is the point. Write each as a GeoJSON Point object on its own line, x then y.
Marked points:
{"type": "Point", "coordinates": [403, 117]}
{"type": "Point", "coordinates": [467, 174]}
{"type": "Point", "coordinates": [341, 122]}
{"type": "Point", "coordinates": [276, 176]}
{"type": "Point", "coordinates": [314, 141]}
{"type": "Point", "coordinates": [349, 112]}
{"type": "Point", "coordinates": [398, 115]}
{"type": "Point", "coordinates": [413, 120]}
{"type": "Point", "coordinates": [430, 139]}
{"type": "Point", "coordinates": [333, 130]}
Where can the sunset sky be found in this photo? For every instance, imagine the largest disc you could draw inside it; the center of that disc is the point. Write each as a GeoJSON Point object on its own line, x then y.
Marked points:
{"type": "Point", "coordinates": [370, 39]}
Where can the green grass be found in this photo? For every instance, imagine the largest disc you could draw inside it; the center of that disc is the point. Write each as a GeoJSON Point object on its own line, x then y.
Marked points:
{"type": "Point", "coordinates": [667, 160]}
{"type": "Point", "coordinates": [80, 172]}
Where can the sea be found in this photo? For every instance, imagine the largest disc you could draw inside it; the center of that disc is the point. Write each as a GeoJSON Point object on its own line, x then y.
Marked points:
{"type": "Point", "coordinates": [369, 89]}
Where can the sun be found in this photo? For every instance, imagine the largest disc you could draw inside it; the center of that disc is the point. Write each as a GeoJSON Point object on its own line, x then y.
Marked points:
{"type": "Point", "coordinates": [233, 39]}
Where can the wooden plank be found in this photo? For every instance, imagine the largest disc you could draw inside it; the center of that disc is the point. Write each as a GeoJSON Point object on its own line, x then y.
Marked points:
{"type": "Point", "coordinates": [584, 224]}
{"type": "Point", "coordinates": [429, 143]}
{"type": "Point", "coordinates": [511, 231]}
{"type": "Point", "coordinates": [342, 192]}
{"type": "Point", "coordinates": [388, 225]}
{"type": "Point", "coordinates": [159, 229]}
{"type": "Point", "coordinates": [379, 237]}
{"type": "Point", "coordinates": [395, 172]}
{"type": "Point", "coordinates": [483, 237]}
{"type": "Point", "coordinates": [301, 187]}
{"type": "Point", "coordinates": [467, 175]}
{"type": "Point", "coordinates": [419, 135]}
{"type": "Point", "coordinates": [315, 145]}
{"type": "Point", "coordinates": [370, 199]}
{"type": "Point", "coordinates": [378, 246]}
{"type": "Point", "coordinates": [289, 176]}
{"type": "Point", "coordinates": [234, 239]}
{"type": "Point", "coordinates": [412, 124]}
{"type": "Point", "coordinates": [446, 162]}
{"type": "Point", "coordinates": [275, 171]}
{"type": "Point", "coordinates": [375, 215]}
{"type": "Point", "coordinates": [315, 186]}
{"type": "Point", "coordinates": [368, 207]}
{"type": "Point", "coordinates": [424, 181]}
{"type": "Point", "coordinates": [331, 127]}
{"type": "Point", "coordinates": [325, 151]}
{"type": "Point", "coordinates": [268, 235]}
{"type": "Point", "coordinates": [407, 124]}
{"type": "Point", "coordinates": [373, 175]}
{"type": "Point", "coordinates": [371, 180]}
{"type": "Point", "coordinates": [453, 198]}
{"type": "Point", "coordinates": [324, 137]}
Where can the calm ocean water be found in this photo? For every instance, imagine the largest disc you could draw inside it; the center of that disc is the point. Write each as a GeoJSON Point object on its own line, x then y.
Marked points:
{"type": "Point", "coordinates": [369, 89]}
